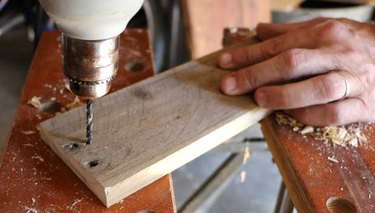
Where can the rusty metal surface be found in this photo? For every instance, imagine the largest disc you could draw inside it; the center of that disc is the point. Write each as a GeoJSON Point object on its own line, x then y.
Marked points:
{"type": "Point", "coordinates": [32, 177]}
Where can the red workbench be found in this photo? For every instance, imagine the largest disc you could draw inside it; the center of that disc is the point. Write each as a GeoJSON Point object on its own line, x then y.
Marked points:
{"type": "Point", "coordinates": [32, 177]}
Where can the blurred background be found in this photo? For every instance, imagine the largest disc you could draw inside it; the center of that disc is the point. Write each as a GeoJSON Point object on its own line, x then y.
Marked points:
{"type": "Point", "coordinates": [181, 30]}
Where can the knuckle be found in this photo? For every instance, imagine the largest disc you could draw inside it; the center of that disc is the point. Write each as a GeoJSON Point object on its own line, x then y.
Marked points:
{"type": "Point", "coordinates": [328, 87]}
{"type": "Point", "coordinates": [334, 116]}
{"type": "Point", "coordinates": [290, 60]}
{"type": "Point", "coordinates": [347, 51]}
{"type": "Point", "coordinates": [241, 55]}
{"type": "Point", "coordinates": [366, 80]}
{"type": "Point", "coordinates": [272, 48]}
{"type": "Point", "coordinates": [247, 79]}
{"type": "Point", "coordinates": [334, 29]}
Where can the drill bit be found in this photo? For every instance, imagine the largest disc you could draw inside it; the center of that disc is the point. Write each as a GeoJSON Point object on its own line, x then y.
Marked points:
{"type": "Point", "coordinates": [89, 117]}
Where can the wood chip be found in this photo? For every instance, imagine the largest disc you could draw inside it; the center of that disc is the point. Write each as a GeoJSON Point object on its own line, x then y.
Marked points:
{"type": "Point", "coordinates": [76, 102]}
{"type": "Point", "coordinates": [341, 136]}
{"type": "Point", "coordinates": [35, 102]}
{"type": "Point", "coordinates": [332, 159]}
{"type": "Point", "coordinates": [66, 85]}
{"type": "Point", "coordinates": [307, 130]}
{"type": "Point", "coordinates": [28, 132]}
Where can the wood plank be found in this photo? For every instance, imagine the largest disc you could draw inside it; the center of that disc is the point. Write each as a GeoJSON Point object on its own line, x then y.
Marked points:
{"type": "Point", "coordinates": [206, 19]}
{"type": "Point", "coordinates": [151, 128]}
{"type": "Point", "coordinates": [32, 177]}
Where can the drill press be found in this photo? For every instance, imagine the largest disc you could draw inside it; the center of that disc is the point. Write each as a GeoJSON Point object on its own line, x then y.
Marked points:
{"type": "Point", "coordinates": [90, 40]}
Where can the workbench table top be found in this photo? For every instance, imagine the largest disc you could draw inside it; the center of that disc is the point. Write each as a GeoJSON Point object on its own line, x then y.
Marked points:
{"type": "Point", "coordinates": [32, 177]}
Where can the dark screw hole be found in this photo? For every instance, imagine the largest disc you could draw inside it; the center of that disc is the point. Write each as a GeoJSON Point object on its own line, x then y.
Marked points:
{"type": "Point", "coordinates": [340, 205]}
{"type": "Point", "coordinates": [92, 164]}
{"type": "Point", "coordinates": [71, 146]}
{"type": "Point", "coordinates": [134, 66]}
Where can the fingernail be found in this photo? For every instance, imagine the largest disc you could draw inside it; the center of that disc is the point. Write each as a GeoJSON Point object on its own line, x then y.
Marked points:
{"type": "Point", "coordinates": [230, 84]}
{"type": "Point", "coordinates": [225, 60]}
{"type": "Point", "coordinates": [261, 99]}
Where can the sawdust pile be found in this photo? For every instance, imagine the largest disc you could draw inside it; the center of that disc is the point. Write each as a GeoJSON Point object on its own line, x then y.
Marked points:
{"type": "Point", "coordinates": [342, 136]}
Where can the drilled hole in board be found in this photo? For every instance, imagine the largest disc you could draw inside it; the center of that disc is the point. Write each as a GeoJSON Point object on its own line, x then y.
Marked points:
{"type": "Point", "coordinates": [92, 163]}
{"type": "Point", "coordinates": [146, 211]}
{"type": "Point", "coordinates": [134, 66]}
{"type": "Point", "coordinates": [340, 205]}
{"type": "Point", "coordinates": [71, 146]}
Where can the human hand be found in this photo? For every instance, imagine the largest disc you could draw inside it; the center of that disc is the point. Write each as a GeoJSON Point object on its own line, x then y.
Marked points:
{"type": "Point", "coordinates": [322, 71]}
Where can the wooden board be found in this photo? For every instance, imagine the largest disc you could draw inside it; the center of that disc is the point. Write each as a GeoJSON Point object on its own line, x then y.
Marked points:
{"type": "Point", "coordinates": [206, 19]}
{"type": "Point", "coordinates": [32, 176]}
{"type": "Point", "coordinates": [151, 128]}
{"type": "Point", "coordinates": [314, 182]}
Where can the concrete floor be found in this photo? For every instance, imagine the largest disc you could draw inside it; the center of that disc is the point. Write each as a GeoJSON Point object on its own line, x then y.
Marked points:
{"type": "Point", "coordinates": [256, 194]}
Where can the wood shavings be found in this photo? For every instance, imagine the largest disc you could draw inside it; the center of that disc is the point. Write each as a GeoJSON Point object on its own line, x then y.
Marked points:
{"type": "Point", "coordinates": [31, 210]}
{"type": "Point", "coordinates": [333, 159]}
{"type": "Point", "coordinates": [28, 132]}
{"type": "Point", "coordinates": [35, 102]}
{"type": "Point", "coordinates": [73, 104]}
{"type": "Point", "coordinates": [342, 136]}
{"type": "Point", "coordinates": [38, 157]}
{"type": "Point", "coordinates": [74, 203]}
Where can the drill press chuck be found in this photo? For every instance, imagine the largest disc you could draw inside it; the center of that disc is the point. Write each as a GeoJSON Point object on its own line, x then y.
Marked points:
{"type": "Point", "coordinates": [90, 67]}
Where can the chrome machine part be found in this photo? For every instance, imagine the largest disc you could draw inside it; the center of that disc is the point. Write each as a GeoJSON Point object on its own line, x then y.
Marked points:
{"type": "Point", "coordinates": [90, 65]}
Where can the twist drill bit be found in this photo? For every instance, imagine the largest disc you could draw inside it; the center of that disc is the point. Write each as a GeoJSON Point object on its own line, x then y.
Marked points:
{"type": "Point", "coordinates": [89, 117]}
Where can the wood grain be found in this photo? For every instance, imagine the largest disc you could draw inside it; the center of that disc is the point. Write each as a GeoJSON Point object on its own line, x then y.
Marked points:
{"type": "Point", "coordinates": [151, 128]}
{"type": "Point", "coordinates": [206, 20]}
{"type": "Point", "coordinates": [32, 177]}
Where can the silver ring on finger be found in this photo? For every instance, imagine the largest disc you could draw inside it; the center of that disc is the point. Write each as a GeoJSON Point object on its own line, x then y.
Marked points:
{"type": "Point", "coordinates": [346, 88]}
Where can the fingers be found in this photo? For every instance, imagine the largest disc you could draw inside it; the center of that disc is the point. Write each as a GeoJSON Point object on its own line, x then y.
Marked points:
{"type": "Point", "coordinates": [253, 54]}
{"type": "Point", "coordinates": [267, 31]}
{"type": "Point", "coordinates": [321, 89]}
{"type": "Point", "coordinates": [335, 114]}
{"type": "Point", "coordinates": [289, 65]}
